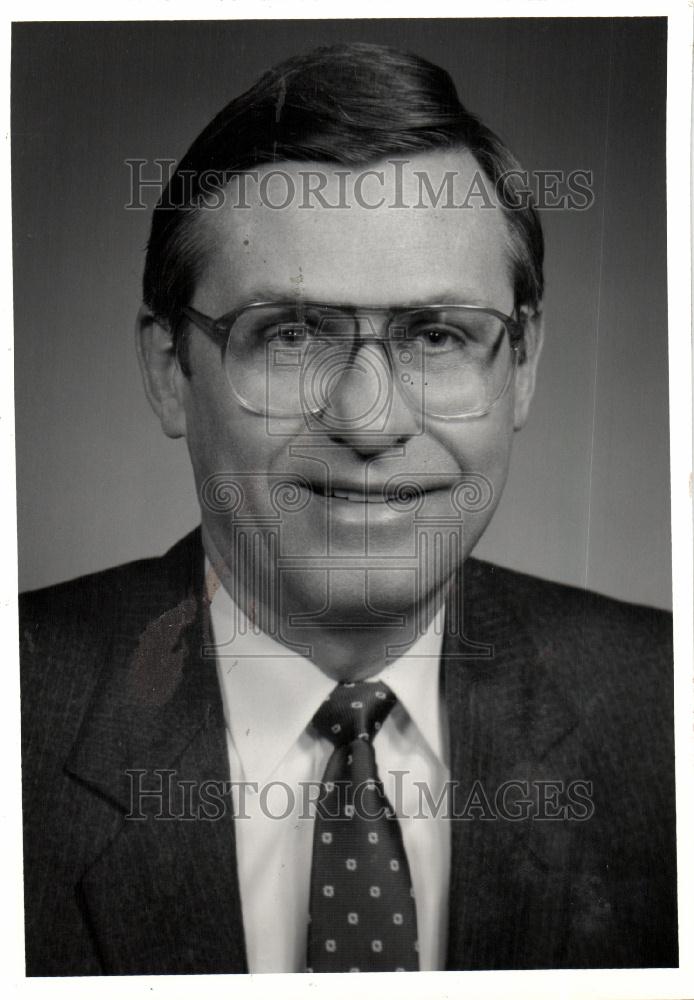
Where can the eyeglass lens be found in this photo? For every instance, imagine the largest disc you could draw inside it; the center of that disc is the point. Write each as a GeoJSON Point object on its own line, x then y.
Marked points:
{"type": "Point", "coordinates": [288, 359]}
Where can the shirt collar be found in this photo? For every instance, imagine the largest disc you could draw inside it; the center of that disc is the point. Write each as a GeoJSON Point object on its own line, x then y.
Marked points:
{"type": "Point", "coordinates": [414, 679]}
{"type": "Point", "coordinates": [270, 694]}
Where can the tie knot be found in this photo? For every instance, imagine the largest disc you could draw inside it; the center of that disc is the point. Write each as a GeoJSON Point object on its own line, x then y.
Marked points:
{"type": "Point", "coordinates": [354, 711]}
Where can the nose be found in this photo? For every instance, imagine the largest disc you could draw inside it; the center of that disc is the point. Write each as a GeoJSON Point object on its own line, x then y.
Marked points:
{"type": "Point", "coordinates": [363, 408]}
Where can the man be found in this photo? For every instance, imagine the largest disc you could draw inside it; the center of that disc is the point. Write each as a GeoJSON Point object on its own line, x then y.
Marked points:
{"type": "Point", "coordinates": [315, 734]}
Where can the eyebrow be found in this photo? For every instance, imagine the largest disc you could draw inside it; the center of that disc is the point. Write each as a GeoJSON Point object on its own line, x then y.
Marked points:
{"type": "Point", "coordinates": [459, 297]}
{"type": "Point", "coordinates": [450, 299]}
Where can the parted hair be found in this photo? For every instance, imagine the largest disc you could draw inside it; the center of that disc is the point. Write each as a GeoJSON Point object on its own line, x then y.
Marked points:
{"type": "Point", "coordinates": [351, 105]}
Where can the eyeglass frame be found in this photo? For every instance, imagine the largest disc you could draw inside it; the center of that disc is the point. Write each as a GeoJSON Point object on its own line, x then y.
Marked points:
{"type": "Point", "coordinates": [218, 330]}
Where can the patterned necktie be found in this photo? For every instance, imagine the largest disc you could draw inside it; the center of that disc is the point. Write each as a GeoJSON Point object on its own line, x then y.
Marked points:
{"type": "Point", "coordinates": [362, 916]}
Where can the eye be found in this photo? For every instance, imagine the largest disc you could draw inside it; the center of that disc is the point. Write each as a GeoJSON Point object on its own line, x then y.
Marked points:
{"type": "Point", "coordinates": [290, 333]}
{"type": "Point", "coordinates": [287, 333]}
{"type": "Point", "coordinates": [438, 336]}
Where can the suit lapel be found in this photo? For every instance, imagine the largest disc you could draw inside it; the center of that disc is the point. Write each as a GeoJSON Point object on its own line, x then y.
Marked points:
{"type": "Point", "coordinates": [161, 891]}
{"type": "Point", "coordinates": [504, 715]}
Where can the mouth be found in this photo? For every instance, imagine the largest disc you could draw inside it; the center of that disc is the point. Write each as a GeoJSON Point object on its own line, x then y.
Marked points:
{"type": "Point", "coordinates": [397, 498]}
{"type": "Point", "coordinates": [353, 495]}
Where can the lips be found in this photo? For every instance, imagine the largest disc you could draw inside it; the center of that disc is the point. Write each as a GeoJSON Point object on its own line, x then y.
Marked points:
{"type": "Point", "coordinates": [383, 494]}
{"type": "Point", "coordinates": [353, 494]}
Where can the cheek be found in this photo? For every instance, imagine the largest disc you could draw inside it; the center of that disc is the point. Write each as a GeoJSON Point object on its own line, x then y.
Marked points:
{"type": "Point", "coordinates": [228, 445]}
{"type": "Point", "coordinates": [480, 446]}
{"type": "Point", "coordinates": [210, 435]}
{"type": "Point", "coordinates": [481, 449]}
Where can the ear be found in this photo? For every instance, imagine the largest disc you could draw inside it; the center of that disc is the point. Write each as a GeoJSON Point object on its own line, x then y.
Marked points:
{"type": "Point", "coordinates": [161, 373]}
{"type": "Point", "coordinates": [526, 369]}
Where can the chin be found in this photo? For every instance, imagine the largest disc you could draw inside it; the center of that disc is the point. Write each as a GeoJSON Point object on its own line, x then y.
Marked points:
{"type": "Point", "coordinates": [357, 599]}
{"type": "Point", "coordinates": [351, 610]}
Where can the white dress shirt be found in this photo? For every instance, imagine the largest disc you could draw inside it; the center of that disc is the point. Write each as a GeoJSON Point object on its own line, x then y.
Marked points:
{"type": "Point", "coordinates": [270, 695]}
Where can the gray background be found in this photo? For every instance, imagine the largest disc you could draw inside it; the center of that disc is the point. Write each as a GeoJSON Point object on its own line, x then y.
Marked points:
{"type": "Point", "coordinates": [587, 500]}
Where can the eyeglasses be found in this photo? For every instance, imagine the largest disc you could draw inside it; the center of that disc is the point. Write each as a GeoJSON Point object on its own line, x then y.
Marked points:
{"type": "Point", "coordinates": [285, 359]}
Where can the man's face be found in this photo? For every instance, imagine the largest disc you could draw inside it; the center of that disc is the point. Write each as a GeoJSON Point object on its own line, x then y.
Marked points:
{"type": "Point", "coordinates": [331, 548]}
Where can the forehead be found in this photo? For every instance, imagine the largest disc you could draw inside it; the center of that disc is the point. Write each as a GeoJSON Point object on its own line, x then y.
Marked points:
{"type": "Point", "coordinates": [419, 229]}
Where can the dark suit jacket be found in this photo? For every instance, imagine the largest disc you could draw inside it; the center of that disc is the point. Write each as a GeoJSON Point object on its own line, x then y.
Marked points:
{"type": "Point", "coordinates": [575, 686]}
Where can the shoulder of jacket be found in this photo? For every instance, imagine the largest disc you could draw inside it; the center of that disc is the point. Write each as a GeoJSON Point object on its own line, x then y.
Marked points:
{"type": "Point", "coordinates": [559, 613]}
{"type": "Point", "coordinates": [107, 593]}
